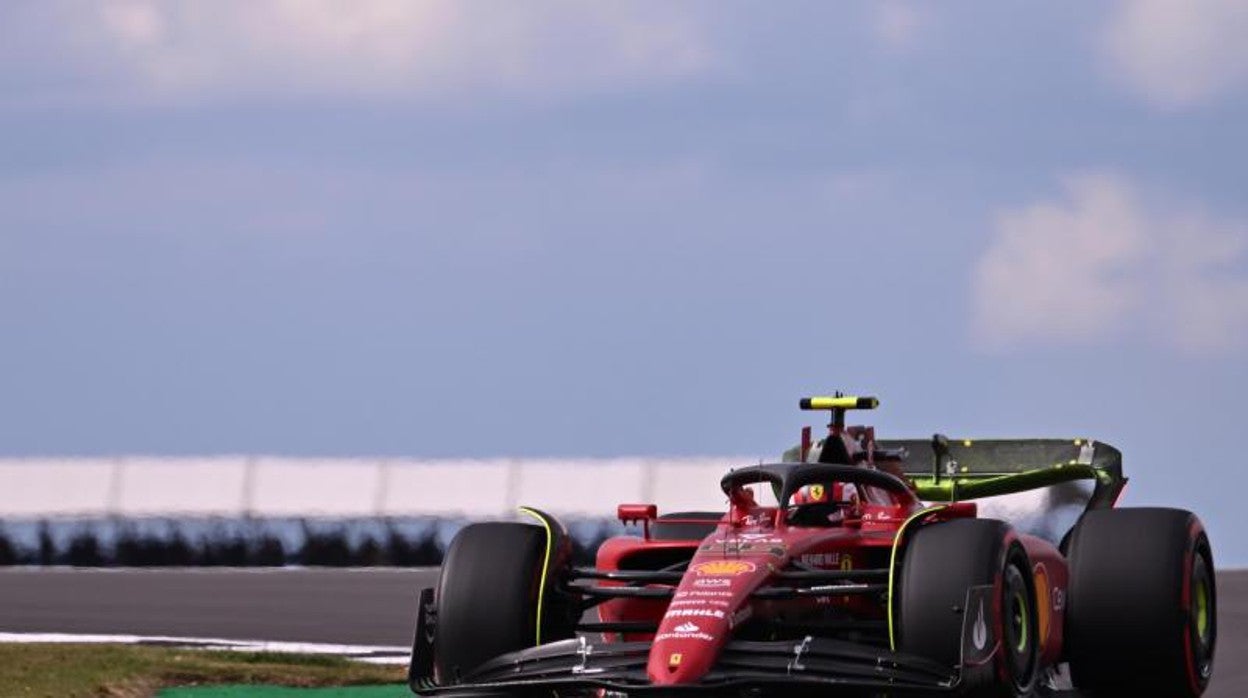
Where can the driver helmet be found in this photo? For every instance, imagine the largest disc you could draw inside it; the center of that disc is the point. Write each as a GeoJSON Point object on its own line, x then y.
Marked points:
{"type": "Point", "coordinates": [817, 493]}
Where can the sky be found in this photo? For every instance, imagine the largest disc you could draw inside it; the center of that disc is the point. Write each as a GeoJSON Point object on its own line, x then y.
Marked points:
{"type": "Point", "coordinates": [461, 228]}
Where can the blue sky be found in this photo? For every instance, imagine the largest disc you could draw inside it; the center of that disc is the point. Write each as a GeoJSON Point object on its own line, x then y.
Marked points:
{"type": "Point", "coordinates": [556, 228]}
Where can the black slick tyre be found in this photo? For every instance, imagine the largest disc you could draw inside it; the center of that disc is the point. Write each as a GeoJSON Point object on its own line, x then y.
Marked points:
{"type": "Point", "coordinates": [487, 596]}
{"type": "Point", "coordinates": [939, 564]}
{"type": "Point", "coordinates": [1142, 608]}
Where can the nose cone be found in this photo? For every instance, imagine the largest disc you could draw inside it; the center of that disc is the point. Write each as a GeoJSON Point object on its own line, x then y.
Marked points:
{"type": "Point", "coordinates": [685, 648]}
{"type": "Point", "coordinates": [700, 618]}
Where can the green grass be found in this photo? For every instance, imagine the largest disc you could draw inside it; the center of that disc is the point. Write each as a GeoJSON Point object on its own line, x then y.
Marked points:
{"type": "Point", "coordinates": [127, 671]}
{"type": "Point", "coordinates": [392, 691]}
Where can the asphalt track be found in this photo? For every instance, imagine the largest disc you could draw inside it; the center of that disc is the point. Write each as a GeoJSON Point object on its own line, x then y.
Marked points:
{"type": "Point", "coordinates": [365, 607]}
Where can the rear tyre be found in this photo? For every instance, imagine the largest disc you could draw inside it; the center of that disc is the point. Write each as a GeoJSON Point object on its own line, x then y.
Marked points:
{"type": "Point", "coordinates": [1142, 614]}
{"type": "Point", "coordinates": [941, 562]}
{"type": "Point", "coordinates": [487, 596]}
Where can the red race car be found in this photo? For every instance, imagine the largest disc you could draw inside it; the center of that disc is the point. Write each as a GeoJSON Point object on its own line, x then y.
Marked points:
{"type": "Point", "coordinates": [854, 567]}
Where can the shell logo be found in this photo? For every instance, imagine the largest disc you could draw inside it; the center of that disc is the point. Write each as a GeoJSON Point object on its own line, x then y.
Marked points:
{"type": "Point", "coordinates": [724, 568]}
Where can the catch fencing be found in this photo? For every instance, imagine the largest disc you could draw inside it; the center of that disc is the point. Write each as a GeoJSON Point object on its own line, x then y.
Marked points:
{"type": "Point", "coordinates": [273, 487]}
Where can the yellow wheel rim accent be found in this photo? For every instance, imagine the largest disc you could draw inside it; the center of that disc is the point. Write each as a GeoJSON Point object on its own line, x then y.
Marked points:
{"type": "Point", "coordinates": [1202, 610]}
{"type": "Point", "coordinates": [1020, 605]}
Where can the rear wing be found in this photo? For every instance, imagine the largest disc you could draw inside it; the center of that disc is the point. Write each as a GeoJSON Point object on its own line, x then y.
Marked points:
{"type": "Point", "coordinates": [946, 470]}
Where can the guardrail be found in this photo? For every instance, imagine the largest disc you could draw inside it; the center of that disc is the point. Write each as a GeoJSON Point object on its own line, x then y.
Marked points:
{"type": "Point", "coordinates": [269, 486]}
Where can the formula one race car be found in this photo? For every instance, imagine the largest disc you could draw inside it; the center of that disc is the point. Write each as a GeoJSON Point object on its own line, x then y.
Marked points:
{"type": "Point", "coordinates": [829, 574]}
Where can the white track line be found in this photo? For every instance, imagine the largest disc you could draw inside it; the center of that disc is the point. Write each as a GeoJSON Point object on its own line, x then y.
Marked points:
{"type": "Point", "coordinates": [364, 653]}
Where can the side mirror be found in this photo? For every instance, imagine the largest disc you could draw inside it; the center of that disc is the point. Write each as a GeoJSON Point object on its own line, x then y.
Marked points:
{"type": "Point", "coordinates": [632, 513]}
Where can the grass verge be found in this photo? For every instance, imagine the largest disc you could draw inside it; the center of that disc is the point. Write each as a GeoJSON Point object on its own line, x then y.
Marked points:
{"type": "Point", "coordinates": [397, 690]}
{"type": "Point", "coordinates": [128, 671]}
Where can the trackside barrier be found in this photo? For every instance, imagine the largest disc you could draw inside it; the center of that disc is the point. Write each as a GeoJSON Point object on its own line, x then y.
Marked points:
{"type": "Point", "coordinates": [268, 486]}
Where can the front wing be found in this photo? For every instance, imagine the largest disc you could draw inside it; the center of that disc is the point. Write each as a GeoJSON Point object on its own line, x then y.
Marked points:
{"type": "Point", "coordinates": [579, 666]}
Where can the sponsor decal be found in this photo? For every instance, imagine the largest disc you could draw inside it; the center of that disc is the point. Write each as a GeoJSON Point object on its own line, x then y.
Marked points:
{"type": "Point", "coordinates": [699, 603]}
{"type": "Point", "coordinates": [979, 634]}
{"type": "Point", "coordinates": [674, 659]}
{"type": "Point", "coordinates": [685, 636]}
{"type": "Point", "coordinates": [737, 548]}
{"type": "Point", "coordinates": [828, 560]}
{"type": "Point", "coordinates": [702, 593]}
{"type": "Point", "coordinates": [712, 582]}
{"type": "Point", "coordinates": [745, 540]}
{"type": "Point", "coordinates": [694, 612]}
{"type": "Point", "coordinates": [760, 537]}
{"type": "Point", "coordinates": [686, 631]}
{"type": "Point", "coordinates": [724, 568]}
{"type": "Point", "coordinates": [748, 543]}
{"type": "Point", "coordinates": [1059, 599]}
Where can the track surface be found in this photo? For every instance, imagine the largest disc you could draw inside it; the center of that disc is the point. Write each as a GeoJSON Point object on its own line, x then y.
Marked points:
{"type": "Point", "coordinates": [366, 607]}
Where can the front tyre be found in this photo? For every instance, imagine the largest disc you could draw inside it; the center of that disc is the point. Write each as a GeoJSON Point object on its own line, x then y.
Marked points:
{"type": "Point", "coordinates": [941, 562]}
{"type": "Point", "coordinates": [487, 596]}
{"type": "Point", "coordinates": [1142, 613]}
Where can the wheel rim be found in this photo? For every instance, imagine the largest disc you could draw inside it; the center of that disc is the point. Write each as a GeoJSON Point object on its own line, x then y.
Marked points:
{"type": "Point", "coordinates": [1018, 626]}
{"type": "Point", "coordinates": [1018, 611]}
{"type": "Point", "coordinates": [1203, 616]}
{"type": "Point", "coordinates": [1202, 613]}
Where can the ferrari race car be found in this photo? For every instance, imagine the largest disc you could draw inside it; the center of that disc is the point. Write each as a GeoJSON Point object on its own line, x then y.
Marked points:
{"type": "Point", "coordinates": [853, 567]}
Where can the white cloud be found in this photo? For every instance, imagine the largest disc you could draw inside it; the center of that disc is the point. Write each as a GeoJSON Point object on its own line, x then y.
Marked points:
{"type": "Point", "coordinates": [387, 47]}
{"type": "Point", "coordinates": [1178, 53]}
{"type": "Point", "coordinates": [1102, 264]}
{"type": "Point", "coordinates": [896, 24]}
{"type": "Point", "coordinates": [1055, 270]}
{"type": "Point", "coordinates": [1205, 295]}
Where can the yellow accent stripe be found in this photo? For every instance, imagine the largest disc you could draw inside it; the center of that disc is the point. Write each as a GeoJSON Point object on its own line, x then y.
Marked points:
{"type": "Point", "coordinates": [892, 568]}
{"type": "Point", "coordinates": [550, 541]}
{"type": "Point", "coordinates": [846, 402]}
